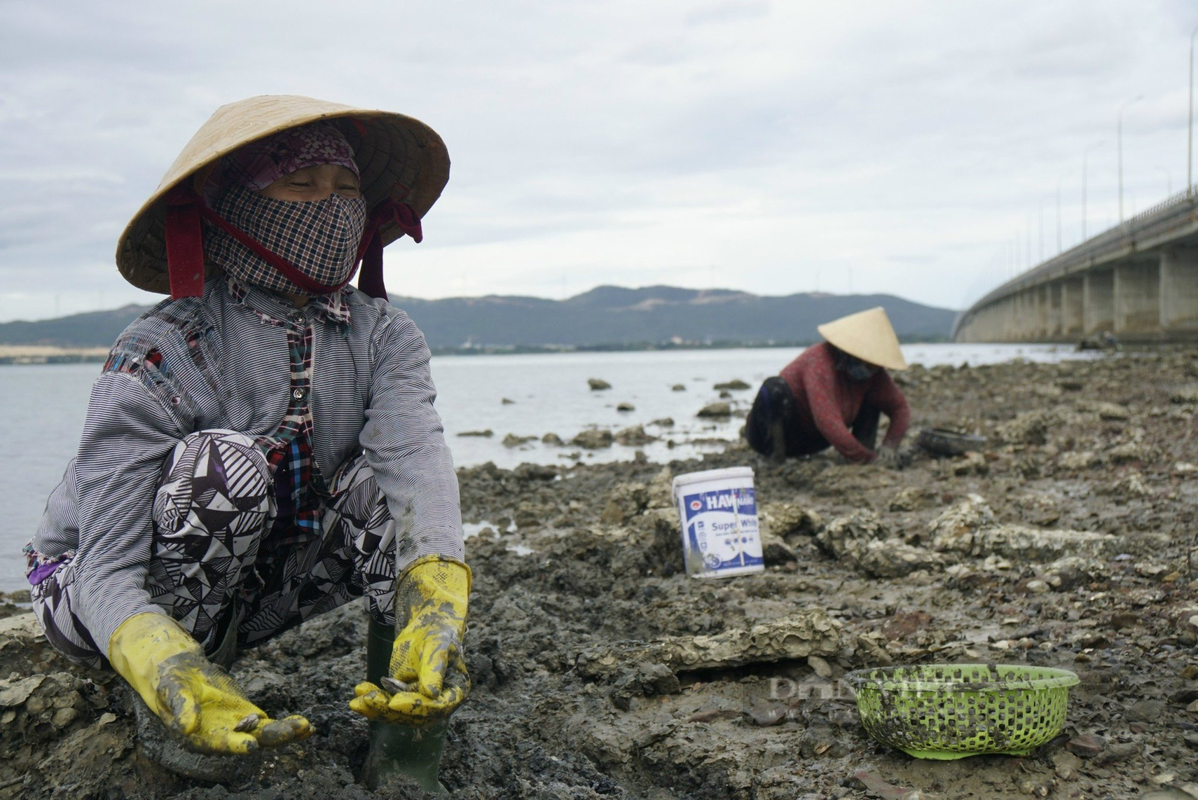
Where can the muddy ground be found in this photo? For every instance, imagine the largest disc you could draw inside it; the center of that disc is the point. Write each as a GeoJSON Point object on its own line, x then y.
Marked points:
{"type": "Point", "coordinates": [1063, 542]}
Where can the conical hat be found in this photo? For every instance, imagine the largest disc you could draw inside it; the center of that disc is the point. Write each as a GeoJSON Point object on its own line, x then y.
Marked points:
{"type": "Point", "coordinates": [398, 157]}
{"type": "Point", "coordinates": [868, 335]}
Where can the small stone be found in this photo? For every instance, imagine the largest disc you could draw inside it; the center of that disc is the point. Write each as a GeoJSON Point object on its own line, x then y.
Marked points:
{"type": "Point", "coordinates": [63, 717]}
{"type": "Point", "coordinates": [766, 716]}
{"type": "Point", "coordinates": [1124, 619]}
{"type": "Point", "coordinates": [1037, 586]}
{"type": "Point", "coordinates": [598, 384]}
{"type": "Point", "coordinates": [1087, 745]}
{"type": "Point", "coordinates": [1193, 707]}
{"type": "Point", "coordinates": [821, 667]}
{"type": "Point", "coordinates": [250, 721]}
{"type": "Point", "coordinates": [625, 407]}
{"type": "Point", "coordinates": [716, 410]}
{"type": "Point", "coordinates": [678, 387]}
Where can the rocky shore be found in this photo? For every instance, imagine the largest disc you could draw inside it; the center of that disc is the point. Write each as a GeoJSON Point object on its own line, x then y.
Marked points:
{"type": "Point", "coordinates": [1067, 539]}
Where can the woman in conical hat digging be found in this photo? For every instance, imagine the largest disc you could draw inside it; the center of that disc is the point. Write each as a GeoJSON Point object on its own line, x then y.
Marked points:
{"type": "Point", "coordinates": [833, 395]}
{"type": "Point", "coordinates": [262, 447]}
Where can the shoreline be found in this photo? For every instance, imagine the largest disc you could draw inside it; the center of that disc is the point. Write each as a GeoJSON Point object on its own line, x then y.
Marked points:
{"type": "Point", "coordinates": [45, 354]}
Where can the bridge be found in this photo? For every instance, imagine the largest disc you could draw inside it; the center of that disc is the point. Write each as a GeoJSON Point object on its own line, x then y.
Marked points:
{"type": "Point", "coordinates": [1137, 280]}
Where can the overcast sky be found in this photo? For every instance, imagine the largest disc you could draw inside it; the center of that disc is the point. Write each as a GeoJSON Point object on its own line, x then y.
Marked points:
{"type": "Point", "coordinates": [899, 146]}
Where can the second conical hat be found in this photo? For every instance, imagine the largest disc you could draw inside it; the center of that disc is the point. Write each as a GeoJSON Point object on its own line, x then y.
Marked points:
{"type": "Point", "coordinates": [867, 335]}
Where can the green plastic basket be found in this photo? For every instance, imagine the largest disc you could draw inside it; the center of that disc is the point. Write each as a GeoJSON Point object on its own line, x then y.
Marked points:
{"type": "Point", "coordinates": [952, 711]}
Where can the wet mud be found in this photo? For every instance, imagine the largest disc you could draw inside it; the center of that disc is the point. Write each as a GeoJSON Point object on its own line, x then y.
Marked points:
{"type": "Point", "coordinates": [602, 671]}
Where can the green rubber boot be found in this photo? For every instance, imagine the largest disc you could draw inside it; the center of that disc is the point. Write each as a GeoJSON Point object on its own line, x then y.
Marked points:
{"type": "Point", "coordinates": [399, 749]}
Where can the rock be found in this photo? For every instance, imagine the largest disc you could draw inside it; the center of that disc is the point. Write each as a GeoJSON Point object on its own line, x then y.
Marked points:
{"type": "Point", "coordinates": [15, 693]}
{"type": "Point", "coordinates": [1079, 460]}
{"type": "Point", "coordinates": [775, 550]}
{"type": "Point", "coordinates": [678, 387]}
{"type": "Point", "coordinates": [1129, 486]}
{"type": "Point", "coordinates": [735, 385]}
{"type": "Point", "coordinates": [798, 635]}
{"type": "Point", "coordinates": [1038, 510]}
{"type": "Point", "coordinates": [818, 665]}
{"type": "Point", "coordinates": [970, 463]}
{"type": "Point", "coordinates": [1186, 395]}
{"type": "Point", "coordinates": [913, 498]}
{"type": "Point", "coordinates": [954, 528]}
{"type": "Point", "coordinates": [1104, 410]}
{"type": "Point", "coordinates": [768, 714]}
{"type": "Point", "coordinates": [664, 422]}
{"type": "Point", "coordinates": [552, 439]}
{"type": "Point", "coordinates": [507, 401]}
{"type": "Point", "coordinates": [893, 558]}
{"type": "Point", "coordinates": [902, 625]}
{"type": "Point", "coordinates": [1146, 711]}
{"type": "Point", "coordinates": [598, 384]}
{"type": "Point", "coordinates": [843, 534]}
{"type": "Point", "coordinates": [1130, 451]}
{"type": "Point", "coordinates": [512, 440]}
{"type": "Point", "coordinates": [593, 439]}
{"type": "Point", "coordinates": [715, 410]}
{"type": "Point", "coordinates": [1028, 428]}
{"type": "Point", "coordinates": [625, 407]}
{"type": "Point", "coordinates": [624, 502]}
{"type": "Point", "coordinates": [969, 528]}
{"type": "Point", "coordinates": [1087, 745]}
{"type": "Point", "coordinates": [1069, 572]}
{"type": "Point", "coordinates": [487, 433]}
{"type": "Point", "coordinates": [634, 436]}
{"type": "Point", "coordinates": [788, 520]}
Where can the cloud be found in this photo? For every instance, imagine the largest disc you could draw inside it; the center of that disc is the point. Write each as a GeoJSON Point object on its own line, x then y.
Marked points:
{"type": "Point", "coordinates": [773, 147]}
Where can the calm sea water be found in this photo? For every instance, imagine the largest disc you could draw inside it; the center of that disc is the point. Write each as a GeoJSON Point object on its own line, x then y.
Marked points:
{"type": "Point", "coordinates": [42, 409]}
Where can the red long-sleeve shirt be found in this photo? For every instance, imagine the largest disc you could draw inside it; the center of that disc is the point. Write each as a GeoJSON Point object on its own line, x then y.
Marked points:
{"type": "Point", "coordinates": [828, 402]}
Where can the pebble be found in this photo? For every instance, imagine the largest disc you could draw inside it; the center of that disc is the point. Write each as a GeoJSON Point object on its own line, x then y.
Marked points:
{"type": "Point", "coordinates": [247, 723]}
{"type": "Point", "coordinates": [820, 666]}
{"type": "Point", "coordinates": [1087, 745]}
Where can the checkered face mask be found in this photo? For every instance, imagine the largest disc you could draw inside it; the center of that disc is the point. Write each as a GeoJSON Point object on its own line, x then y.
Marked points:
{"type": "Point", "coordinates": [320, 238]}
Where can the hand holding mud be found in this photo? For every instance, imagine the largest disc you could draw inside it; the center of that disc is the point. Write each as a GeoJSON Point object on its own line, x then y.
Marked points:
{"type": "Point", "coordinates": [194, 698]}
{"type": "Point", "coordinates": [431, 602]}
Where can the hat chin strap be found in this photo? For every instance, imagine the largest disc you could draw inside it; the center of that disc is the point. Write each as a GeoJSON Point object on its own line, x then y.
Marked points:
{"type": "Point", "coordinates": [185, 245]}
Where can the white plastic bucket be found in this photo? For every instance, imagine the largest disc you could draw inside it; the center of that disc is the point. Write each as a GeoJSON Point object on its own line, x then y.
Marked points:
{"type": "Point", "coordinates": [718, 510]}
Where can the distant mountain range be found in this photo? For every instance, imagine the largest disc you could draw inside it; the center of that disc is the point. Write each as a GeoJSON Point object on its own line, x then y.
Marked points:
{"type": "Point", "coordinates": [607, 316]}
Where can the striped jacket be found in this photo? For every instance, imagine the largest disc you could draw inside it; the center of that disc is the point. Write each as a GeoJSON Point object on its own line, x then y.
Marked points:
{"type": "Point", "coordinates": [223, 361]}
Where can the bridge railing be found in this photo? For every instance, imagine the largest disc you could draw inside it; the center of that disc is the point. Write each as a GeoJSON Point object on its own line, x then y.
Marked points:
{"type": "Point", "coordinates": [1158, 218]}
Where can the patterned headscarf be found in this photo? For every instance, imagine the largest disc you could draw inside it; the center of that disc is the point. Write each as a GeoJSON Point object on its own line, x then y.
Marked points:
{"type": "Point", "coordinates": [261, 163]}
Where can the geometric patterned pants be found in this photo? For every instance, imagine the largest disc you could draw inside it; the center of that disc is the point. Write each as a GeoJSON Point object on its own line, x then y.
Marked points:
{"type": "Point", "coordinates": [213, 562]}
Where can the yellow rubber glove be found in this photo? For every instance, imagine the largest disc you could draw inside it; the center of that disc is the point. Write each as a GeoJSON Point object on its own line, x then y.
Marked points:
{"type": "Point", "coordinates": [428, 675]}
{"type": "Point", "coordinates": [194, 698]}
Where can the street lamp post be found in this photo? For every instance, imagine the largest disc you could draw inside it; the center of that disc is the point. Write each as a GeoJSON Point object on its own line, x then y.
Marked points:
{"type": "Point", "coordinates": [1119, 135]}
{"type": "Point", "coordinates": [1190, 142]}
{"type": "Point", "coordinates": [1085, 154]}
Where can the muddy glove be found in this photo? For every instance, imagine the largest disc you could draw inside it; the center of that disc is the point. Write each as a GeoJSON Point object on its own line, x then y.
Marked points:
{"type": "Point", "coordinates": [428, 677]}
{"type": "Point", "coordinates": [194, 698]}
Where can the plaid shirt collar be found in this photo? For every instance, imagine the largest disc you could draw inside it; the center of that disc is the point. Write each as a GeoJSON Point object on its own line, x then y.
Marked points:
{"type": "Point", "coordinates": [331, 308]}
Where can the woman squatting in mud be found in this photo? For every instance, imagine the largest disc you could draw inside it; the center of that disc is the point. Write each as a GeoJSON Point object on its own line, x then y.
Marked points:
{"type": "Point", "coordinates": [262, 447]}
{"type": "Point", "coordinates": [833, 394]}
